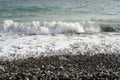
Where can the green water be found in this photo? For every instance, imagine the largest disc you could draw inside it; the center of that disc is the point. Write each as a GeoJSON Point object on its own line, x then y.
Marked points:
{"type": "Point", "coordinates": [64, 10]}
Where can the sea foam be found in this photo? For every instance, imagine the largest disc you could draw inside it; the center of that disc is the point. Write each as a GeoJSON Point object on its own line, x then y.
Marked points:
{"type": "Point", "coordinates": [46, 27]}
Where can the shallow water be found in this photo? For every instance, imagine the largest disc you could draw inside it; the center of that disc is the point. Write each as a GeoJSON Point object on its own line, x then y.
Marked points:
{"type": "Point", "coordinates": [21, 46]}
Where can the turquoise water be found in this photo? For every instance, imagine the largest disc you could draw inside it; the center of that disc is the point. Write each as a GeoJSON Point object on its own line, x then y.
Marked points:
{"type": "Point", "coordinates": [56, 10]}
{"type": "Point", "coordinates": [59, 16]}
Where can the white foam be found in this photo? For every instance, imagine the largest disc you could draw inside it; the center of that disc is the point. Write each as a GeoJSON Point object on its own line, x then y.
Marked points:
{"type": "Point", "coordinates": [36, 27]}
{"type": "Point", "coordinates": [17, 47]}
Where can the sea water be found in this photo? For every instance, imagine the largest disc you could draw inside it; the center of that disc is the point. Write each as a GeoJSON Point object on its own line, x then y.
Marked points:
{"type": "Point", "coordinates": [30, 28]}
{"type": "Point", "coordinates": [73, 15]}
{"type": "Point", "coordinates": [65, 10]}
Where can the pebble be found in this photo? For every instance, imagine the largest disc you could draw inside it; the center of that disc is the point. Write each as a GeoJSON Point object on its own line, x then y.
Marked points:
{"type": "Point", "coordinates": [79, 67]}
{"type": "Point", "coordinates": [2, 69]}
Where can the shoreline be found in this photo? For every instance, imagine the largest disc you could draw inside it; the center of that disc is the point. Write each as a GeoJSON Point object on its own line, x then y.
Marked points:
{"type": "Point", "coordinates": [23, 46]}
{"type": "Point", "coordinates": [63, 67]}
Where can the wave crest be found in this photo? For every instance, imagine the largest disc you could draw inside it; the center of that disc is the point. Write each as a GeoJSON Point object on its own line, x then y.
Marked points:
{"type": "Point", "coordinates": [54, 27]}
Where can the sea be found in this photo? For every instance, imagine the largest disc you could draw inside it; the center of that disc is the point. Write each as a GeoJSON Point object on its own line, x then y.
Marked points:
{"type": "Point", "coordinates": [45, 13]}
{"type": "Point", "coordinates": [52, 27]}
{"type": "Point", "coordinates": [59, 10]}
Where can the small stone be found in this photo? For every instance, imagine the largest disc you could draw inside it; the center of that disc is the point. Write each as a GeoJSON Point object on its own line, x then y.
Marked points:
{"type": "Point", "coordinates": [66, 75]}
{"type": "Point", "coordinates": [26, 78]}
{"type": "Point", "coordinates": [40, 78]}
{"type": "Point", "coordinates": [43, 66]}
{"type": "Point", "coordinates": [34, 78]}
{"type": "Point", "coordinates": [2, 69]}
{"type": "Point", "coordinates": [61, 67]}
{"type": "Point", "coordinates": [63, 58]}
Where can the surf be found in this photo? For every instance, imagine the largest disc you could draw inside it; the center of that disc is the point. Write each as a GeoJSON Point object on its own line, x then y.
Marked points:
{"type": "Point", "coordinates": [47, 27]}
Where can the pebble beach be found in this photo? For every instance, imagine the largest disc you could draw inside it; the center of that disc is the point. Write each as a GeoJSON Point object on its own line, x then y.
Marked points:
{"type": "Point", "coordinates": [63, 67]}
{"type": "Point", "coordinates": [59, 39]}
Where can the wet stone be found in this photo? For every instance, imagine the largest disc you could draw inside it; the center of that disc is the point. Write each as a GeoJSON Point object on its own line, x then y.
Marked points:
{"type": "Point", "coordinates": [2, 69]}
{"type": "Point", "coordinates": [79, 67]}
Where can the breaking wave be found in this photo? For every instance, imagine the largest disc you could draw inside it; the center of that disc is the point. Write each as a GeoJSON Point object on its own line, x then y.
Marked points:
{"type": "Point", "coordinates": [54, 27]}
